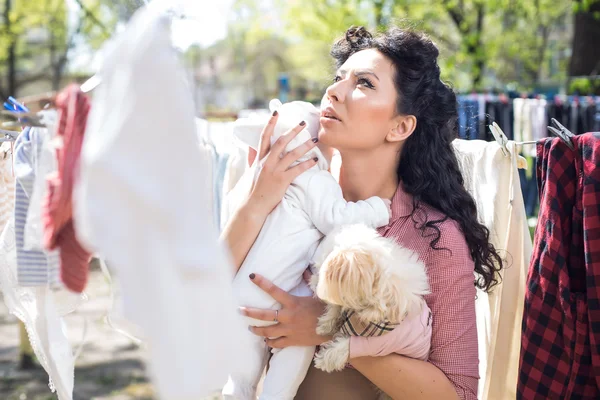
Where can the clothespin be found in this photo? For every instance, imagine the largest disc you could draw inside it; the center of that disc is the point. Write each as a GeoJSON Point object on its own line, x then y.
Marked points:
{"type": "Point", "coordinates": [14, 105]}
{"type": "Point", "coordinates": [562, 133]}
{"type": "Point", "coordinates": [91, 84]}
{"type": "Point", "coordinates": [500, 137]}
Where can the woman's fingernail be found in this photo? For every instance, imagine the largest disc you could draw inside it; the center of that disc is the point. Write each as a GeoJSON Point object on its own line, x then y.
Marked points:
{"type": "Point", "coordinates": [275, 113]}
{"type": "Point", "coordinates": [315, 159]}
{"type": "Point", "coordinates": [265, 340]}
{"type": "Point", "coordinates": [315, 140]}
{"type": "Point", "coordinates": [252, 276]}
{"type": "Point", "coordinates": [302, 123]}
{"type": "Point", "coordinates": [242, 310]}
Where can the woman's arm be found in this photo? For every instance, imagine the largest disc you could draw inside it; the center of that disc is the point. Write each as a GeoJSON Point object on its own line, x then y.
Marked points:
{"type": "Point", "coordinates": [273, 180]}
{"type": "Point", "coordinates": [242, 230]}
{"type": "Point", "coordinates": [406, 378]}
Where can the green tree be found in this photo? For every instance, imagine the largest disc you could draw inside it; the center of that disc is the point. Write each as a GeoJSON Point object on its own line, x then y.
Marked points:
{"type": "Point", "coordinates": [585, 59]}
{"type": "Point", "coordinates": [36, 37]}
{"type": "Point", "coordinates": [504, 39]}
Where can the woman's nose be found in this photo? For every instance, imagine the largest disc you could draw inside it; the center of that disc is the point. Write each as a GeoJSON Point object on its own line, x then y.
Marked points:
{"type": "Point", "coordinates": [334, 93]}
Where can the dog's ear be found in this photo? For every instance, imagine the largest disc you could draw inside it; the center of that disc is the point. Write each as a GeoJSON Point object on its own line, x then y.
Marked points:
{"type": "Point", "coordinates": [346, 278]}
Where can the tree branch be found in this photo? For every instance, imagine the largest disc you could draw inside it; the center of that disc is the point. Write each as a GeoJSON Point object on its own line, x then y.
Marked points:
{"type": "Point", "coordinates": [455, 14]}
{"type": "Point", "coordinates": [91, 16]}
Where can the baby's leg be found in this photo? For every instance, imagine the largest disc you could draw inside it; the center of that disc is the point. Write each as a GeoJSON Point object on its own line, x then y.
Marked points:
{"type": "Point", "coordinates": [243, 381]}
{"type": "Point", "coordinates": [288, 366]}
{"type": "Point", "coordinates": [287, 370]}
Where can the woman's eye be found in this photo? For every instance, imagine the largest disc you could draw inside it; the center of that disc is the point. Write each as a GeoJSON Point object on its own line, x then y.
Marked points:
{"type": "Point", "coordinates": [365, 82]}
{"type": "Point", "coordinates": [337, 78]}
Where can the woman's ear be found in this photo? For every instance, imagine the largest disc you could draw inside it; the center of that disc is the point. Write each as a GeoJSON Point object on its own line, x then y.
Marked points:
{"type": "Point", "coordinates": [404, 126]}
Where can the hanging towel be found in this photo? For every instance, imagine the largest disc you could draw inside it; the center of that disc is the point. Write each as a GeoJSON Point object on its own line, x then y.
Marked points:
{"type": "Point", "coordinates": [493, 181]}
{"type": "Point", "coordinates": [560, 355]}
{"type": "Point", "coordinates": [73, 107]}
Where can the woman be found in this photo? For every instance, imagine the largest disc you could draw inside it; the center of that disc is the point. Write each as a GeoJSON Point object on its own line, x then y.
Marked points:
{"type": "Point", "coordinates": [392, 120]}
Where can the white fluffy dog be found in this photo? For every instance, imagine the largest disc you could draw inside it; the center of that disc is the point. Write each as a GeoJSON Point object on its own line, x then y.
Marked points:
{"type": "Point", "coordinates": [359, 271]}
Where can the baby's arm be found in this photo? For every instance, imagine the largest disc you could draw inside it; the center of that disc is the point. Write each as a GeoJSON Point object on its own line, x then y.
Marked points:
{"type": "Point", "coordinates": [412, 338]}
{"type": "Point", "coordinates": [327, 208]}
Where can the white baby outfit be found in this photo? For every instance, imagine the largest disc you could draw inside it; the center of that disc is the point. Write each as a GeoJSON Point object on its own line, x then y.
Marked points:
{"type": "Point", "coordinates": [312, 206]}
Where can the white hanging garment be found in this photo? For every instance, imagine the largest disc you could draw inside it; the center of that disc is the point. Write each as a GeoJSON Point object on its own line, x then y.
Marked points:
{"type": "Point", "coordinates": [38, 309]}
{"type": "Point", "coordinates": [493, 181]}
{"type": "Point", "coordinates": [144, 208]}
{"type": "Point", "coordinates": [34, 267]}
{"type": "Point", "coordinates": [7, 183]}
{"type": "Point", "coordinates": [43, 164]}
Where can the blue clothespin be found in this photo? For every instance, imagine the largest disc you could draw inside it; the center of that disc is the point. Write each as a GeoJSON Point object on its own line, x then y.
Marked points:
{"type": "Point", "coordinates": [18, 106]}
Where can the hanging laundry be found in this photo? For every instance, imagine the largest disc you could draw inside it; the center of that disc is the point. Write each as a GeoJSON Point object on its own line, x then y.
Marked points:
{"type": "Point", "coordinates": [35, 267]}
{"type": "Point", "coordinates": [7, 183]}
{"type": "Point", "coordinates": [468, 118]}
{"type": "Point", "coordinates": [44, 165]}
{"type": "Point", "coordinates": [560, 355]}
{"type": "Point", "coordinates": [493, 180]}
{"type": "Point", "coordinates": [73, 107]}
{"type": "Point", "coordinates": [143, 208]}
{"type": "Point", "coordinates": [40, 311]}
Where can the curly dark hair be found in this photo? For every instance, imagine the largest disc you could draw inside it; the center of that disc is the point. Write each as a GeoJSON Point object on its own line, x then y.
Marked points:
{"type": "Point", "coordinates": [428, 167]}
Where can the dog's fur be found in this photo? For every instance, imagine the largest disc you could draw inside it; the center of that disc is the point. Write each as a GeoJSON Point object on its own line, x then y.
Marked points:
{"type": "Point", "coordinates": [359, 270]}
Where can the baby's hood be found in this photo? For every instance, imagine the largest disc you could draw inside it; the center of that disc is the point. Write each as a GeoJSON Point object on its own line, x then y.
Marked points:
{"type": "Point", "coordinates": [248, 130]}
{"type": "Point", "coordinates": [290, 115]}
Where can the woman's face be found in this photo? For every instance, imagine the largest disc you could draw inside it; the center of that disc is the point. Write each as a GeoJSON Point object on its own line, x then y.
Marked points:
{"type": "Point", "coordinates": [358, 110]}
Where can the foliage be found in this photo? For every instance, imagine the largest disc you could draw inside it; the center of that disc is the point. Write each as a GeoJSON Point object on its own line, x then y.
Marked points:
{"type": "Point", "coordinates": [36, 37]}
{"type": "Point", "coordinates": [483, 42]}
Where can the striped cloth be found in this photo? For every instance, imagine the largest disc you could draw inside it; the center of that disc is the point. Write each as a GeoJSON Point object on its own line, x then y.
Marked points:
{"type": "Point", "coordinates": [354, 326]}
{"type": "Point", "coordinates": [57, 208]}
{"type": "Point", "coordinates": [34, 268]}
{"type": "Point", "coordinates": [7, 184]}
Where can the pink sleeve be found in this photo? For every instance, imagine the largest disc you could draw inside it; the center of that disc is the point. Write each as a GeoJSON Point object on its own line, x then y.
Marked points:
{"type": "Point", "coordinates": [452, 301]}
{"type": "Point", "coordinates": [412, 338]}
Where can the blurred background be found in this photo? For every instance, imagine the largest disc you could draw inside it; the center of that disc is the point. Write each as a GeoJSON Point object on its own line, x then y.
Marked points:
{"type": "Point", "coordinates": [241, 53]}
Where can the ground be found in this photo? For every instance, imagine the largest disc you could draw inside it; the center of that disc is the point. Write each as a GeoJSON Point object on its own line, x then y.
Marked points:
{"type": "Point", "coordinates": [110, 366]}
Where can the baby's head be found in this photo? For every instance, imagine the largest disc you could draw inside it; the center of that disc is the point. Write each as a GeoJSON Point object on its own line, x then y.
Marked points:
{"type": "Point", "coordinates": [289, 116]}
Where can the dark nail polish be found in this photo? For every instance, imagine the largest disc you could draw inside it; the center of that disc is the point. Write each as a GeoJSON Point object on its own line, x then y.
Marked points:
{"type": "Point", "coordinates": [302, 123]}
{"type": "Point", "coordinates": [252, 276]}
{"type": "Point", "coordinates": [275, 113]}
{"type": "Point", "coordinates": [315, 159]}
{"type": "Point", "coordinates": [315, 140]}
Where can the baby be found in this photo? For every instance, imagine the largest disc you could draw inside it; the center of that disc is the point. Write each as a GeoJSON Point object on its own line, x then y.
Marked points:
{"type": "Point", "coordinates": [311, 208]}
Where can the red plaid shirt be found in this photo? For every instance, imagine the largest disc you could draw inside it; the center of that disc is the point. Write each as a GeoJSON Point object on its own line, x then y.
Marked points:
{"type": "Point", "coordinates": [560, 354]}
{"type": "Point", "coordinates": [452, 299]}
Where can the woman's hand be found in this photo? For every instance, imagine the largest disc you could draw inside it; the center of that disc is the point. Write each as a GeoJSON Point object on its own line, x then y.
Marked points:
{"type": "Point", "coordinates": [297, 318]}
{"type": "Point", "coordinates": [275, 173]}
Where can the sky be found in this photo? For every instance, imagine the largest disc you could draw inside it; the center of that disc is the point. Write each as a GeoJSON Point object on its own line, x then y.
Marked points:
{"type": "Point", "coordinates": [205, 24]}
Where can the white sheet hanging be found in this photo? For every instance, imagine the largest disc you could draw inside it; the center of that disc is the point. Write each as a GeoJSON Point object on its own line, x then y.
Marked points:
{"type": "Point", "coordinates": [493, 181]}
{"type": "Point", "coordinates": [143, 207]}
